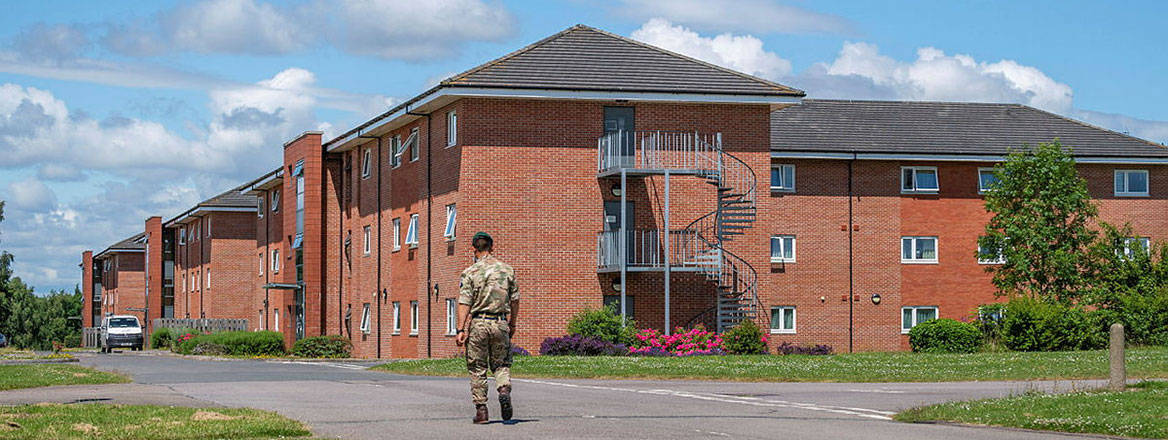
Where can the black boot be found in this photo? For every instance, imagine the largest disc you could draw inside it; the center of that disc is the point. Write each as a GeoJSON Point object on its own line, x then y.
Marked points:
{"type": "Point", "coordinates": [480, 414]}
{"type": "Point", "coordinates": [505, 401]}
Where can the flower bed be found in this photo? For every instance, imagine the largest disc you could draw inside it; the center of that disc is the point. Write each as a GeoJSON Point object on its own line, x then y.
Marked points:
{"type": "Point", "coordinates": [694, 342]}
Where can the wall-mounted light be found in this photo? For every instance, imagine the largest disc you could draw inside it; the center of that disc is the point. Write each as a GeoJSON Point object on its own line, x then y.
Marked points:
{"type": "Point", "coordinates": [876, 298]}
{"type": "Point", "coordinates": [617, 285]}
{"type": "Point", "coordinates": [822, 298]}
{"type": "Point", "coordinates": [616, 190]}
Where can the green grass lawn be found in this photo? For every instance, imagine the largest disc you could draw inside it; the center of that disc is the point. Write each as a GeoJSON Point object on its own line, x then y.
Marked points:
{"type": "Point", "coordinates": [43, 375]}
{"type": "Point", "coordinates": [858, 367]}
{"type": "Point", "coordinates": [1139, 412]}
{"type": "Point", "coordinates": [101, 421]}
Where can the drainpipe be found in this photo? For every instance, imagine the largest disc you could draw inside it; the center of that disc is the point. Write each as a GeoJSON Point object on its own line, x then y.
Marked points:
{"type": "Point", "coordinates": [267, 256]}
{"type": "Point", "coordinates": [378, 293]}
{"type": "Point", "coordinates": [429, 232]}
{"type": "Point", "coordinates": [851, 260]}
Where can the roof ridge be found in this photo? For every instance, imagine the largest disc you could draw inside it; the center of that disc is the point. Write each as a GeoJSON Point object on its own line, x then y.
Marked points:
{"type": "Point", "coordinates": [910, 101]}
{"type": "Point", "coordinates": [512, 54]}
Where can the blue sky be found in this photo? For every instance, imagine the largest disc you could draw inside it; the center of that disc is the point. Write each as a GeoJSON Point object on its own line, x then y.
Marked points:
{"type": "Point", "coordinates": [111, 112]}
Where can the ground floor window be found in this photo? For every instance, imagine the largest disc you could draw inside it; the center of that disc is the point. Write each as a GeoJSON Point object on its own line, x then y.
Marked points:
{"type": "Point", "coordinates": [783, 319]}
{"type": "Point", "coordinates": [413, 317]}
{"type": "Point", "coordinates": [396, 317]}
{"type": "Point", "coordinates": [911, 316]}
{"type": "Point", "coordinates": [451, 317]}
{"type": "Point", "coordinates": [614, 302]}
{"type": "Point", "coordinates": [366, 327]}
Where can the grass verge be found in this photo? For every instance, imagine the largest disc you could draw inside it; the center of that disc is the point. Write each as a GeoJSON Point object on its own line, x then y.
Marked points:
{"type": "Point", "coordinates": [858, 367]}
{"type": "Point", "coordinates": [1138, 412]}
{"type": "Point", "coordinates": [43, 375]}
{"type": "Point", "coordinates": [87, 421]}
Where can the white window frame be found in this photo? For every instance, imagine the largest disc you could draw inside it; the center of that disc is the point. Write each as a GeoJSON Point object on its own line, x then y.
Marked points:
{"type": "Point", "coordinates": [367, 246]}
{"type": "Point", "coordinates": [1001, 259]}
{"type": "Point", "coordinates": [260, 206]}
{"type": "Point", "coordinates": [366, 163]}
{"type": "Point", "coordinates": [783, 311]}
{"type": "Point", "coordinates": [275, 261]}
{"type": "Point", "coordinates": [915, 316]}
{"type": "Point", "coordinates": [451, 128]}
{"type": "Point", "coordinates": [1145, 242]}
{"type": "Point", "coordinates": [366, 324]}
{"type": "Point", "coordinates": [395, 151]}
{"type": "Point", "coordinates": [782, 240]}
{"type": "Point", "coordinates": [396, 317]}
{"type": "Point", "coordinates": [207, 284]}
{"type": "Point", "coordinates": [414, 145]}
{"type": "Point", "coordinates": [275, 200]}
{"type": "Point", "coordinates": [208, 221]}
{"type": "Point", "coordinates": [195, 231]}
{"type": "Point", "coordinates": [397, 234]}
{"type": "Point", "coordinates": [915, 189]}
{"type": "Point", "coordinates": [451, 317]}
{"type": "Point", "coordinates": [413, 318]}
{"type": "Point", "coordinates": [412, 232]}
{"type": "Point", "coordinates": [262, 263]}
{"type": "Point", "coordinates": [915, 239]}
{"type": "Point", "coordinates": [451, 221]}
{"type": "Point", "coordinates": [783, 186]}
{"type": "Point", "coordinates": [182, 236]}
{"type": "Point", "coordinates": [981, 189]}
{"type": "Point", "coordinates": [1127, 183]}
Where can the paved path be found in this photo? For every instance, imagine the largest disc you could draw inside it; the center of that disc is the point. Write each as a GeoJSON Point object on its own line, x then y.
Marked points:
{"type": "Point", "coordinates": [342, 400]}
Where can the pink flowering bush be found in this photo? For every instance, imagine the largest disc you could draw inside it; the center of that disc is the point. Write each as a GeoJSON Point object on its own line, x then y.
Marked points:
{"type": "Point", "coordinates": [693, 342]}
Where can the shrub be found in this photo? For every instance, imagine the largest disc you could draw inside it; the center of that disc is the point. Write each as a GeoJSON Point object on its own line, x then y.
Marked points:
{"type": "Point", "coordinates": [1032, 325]}
{"type": "Point", "coordinates": [988, 320]}
{"type": "Point", "coordinates": [576, 345]}
{"type": "Point", "coordinates": [944, 336]}
{"type": "Point", "coordinates": [73, 340]}
{"type": "Point", "coordinates": [519, 351]}
{"type": "Point", "coordinates": [604, 324]}
{"type": "Point", "coordinates": [789, 348]}
{"type": "Point", "coordinates": [161, 338]}
{"type": "Point", "coordinates": [1144, 316]}
{"type": "Point", "coordinates": [745, 338]}
{"type": "Point", "coordinates": [696, 341]}
{"type": "Point", "coordinates": [244, 343]}
{"type": "Point", "coordinates": [329, 346]}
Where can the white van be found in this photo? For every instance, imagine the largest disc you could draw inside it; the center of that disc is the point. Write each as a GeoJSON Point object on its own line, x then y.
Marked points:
{"type": "Point", "coordinates": [120, 331]}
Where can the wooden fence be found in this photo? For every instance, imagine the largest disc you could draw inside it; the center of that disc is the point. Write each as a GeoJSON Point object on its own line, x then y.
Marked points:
{"type": "Point", "coordinates": [91, 337]}
{"type": "Point", "coordinates": [203, 325]}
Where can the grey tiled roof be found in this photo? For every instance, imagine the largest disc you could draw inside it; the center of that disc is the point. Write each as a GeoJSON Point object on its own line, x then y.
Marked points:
{"type": "Point", "coordinates": [585, 58]}
{"type": "Point", "coordinates": [940, 128]}
{"type": "Point", "coordinates": [232, 198]}
{"type": "Point", "coordinates": [133, 243]}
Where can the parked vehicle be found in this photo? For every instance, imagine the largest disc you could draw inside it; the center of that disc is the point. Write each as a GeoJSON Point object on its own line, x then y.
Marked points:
{"type": "Point", "coordinates": [121, 331]}
{"type": "Point", "coordinates": [3, 341]}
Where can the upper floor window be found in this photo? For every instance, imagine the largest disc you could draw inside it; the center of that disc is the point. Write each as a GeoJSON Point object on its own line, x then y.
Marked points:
{"type": "Point", "coordinates": [412, 143]}
{"type": "Point", "coordinates": [918, 180]}
{"type": "Point", "coordinates": [782, 177]}
{"type": "Point", "coordinates": [395, 148]}
{"type": "Point", "coordinates": [366, 246]}
{"type": "Point", "coordinates": [989, 256]}
{"type": "Point", "coordinates": [451, 217]}
{"type": "Point", "coordinates": [260, 207]}
{"type": "Point", "coordinates": [182, 236]}
{"type": "Point", "coordinates": [366, 163]}
{"type": "Point", "coordinates": [1131, 183]}
{"type": "Point", "coordinates": [275, 261]}
{"type": "Point", "coordinates": [783, 249]}
{"type": "Point", "coordinates": [451, 128]}
{"type": "Point", "coordinates": [208, 225]}
{"type": "Point", "coordinates": [986, 179]}
{"type": "Point", "coordinates": [1131, 244]}
{"type": "Point", "coordinates": [412, 232]}
{"type": "Point", "coordinates": [918, 250]}
{"type": "Point", "coordinates": [261, 260]}
{"type": "Point", "coordinates": [397, 234]}
{"type": "Point", "coordinates": [275, 200]}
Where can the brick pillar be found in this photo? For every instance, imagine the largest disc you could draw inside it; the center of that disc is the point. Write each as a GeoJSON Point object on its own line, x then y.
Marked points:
{"type": "Point", "coordinates": [308, 148]}
{"type": "Point", "coordinates": [87, 289]}
{"type": "Point", "coordinates": [153, 270]}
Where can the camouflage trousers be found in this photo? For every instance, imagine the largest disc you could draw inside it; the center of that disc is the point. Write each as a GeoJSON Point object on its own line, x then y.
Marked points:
{"type": "Point", "coordinates": [488, 347]}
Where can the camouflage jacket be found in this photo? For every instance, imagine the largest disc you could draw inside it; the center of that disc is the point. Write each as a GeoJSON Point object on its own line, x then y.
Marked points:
{"type": "Point", "coordinates": [488, 286]}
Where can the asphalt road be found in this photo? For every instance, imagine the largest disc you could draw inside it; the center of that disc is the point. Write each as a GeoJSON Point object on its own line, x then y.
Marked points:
{"type": "Point", "coordinates": [342, 400]}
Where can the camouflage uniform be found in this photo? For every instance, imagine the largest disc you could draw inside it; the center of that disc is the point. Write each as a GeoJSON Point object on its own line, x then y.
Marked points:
{"type": "Point", "coordinates": [488, 287]}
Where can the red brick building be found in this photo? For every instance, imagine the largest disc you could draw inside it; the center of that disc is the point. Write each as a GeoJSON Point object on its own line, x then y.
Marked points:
{"type": "Point", "coordinates": [118, 283]}
{"type": "Point", "coordinates": [610, 171]}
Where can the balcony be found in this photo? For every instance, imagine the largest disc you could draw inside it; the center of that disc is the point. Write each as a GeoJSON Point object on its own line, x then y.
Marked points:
{"type": "Point", "coordinates": [646, 251]}
{"type": "Point", "coordinates": [654, 152]}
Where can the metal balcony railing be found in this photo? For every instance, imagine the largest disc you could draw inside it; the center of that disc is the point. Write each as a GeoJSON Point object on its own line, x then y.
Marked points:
{"type": "Point", "coordinates": [645, 248]}
{"type": "Point", "coordinates": [658, 150]}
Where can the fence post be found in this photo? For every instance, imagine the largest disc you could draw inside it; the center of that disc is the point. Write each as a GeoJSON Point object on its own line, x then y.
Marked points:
{"type": "Point", "coordinates": [1118, 369]}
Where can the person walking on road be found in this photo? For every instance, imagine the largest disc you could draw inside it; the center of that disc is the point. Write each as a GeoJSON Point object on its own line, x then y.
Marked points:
{"type": "Point", "coordinates": [488, 304]}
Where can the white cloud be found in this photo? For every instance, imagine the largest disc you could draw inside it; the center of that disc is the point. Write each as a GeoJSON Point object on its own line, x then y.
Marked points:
{"type": "Point", "coordinates": [757, 16]}
{"type": "Point", "coordinates": [30, 195]}
{"type": "Point", "coordinates": [417, 30]}
{"type": "Point", "coordinates": [744, 53]}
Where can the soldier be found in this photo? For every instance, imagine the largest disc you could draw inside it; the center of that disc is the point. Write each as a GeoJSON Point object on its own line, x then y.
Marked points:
{"type": "Point", "coordinates": [488, 303]}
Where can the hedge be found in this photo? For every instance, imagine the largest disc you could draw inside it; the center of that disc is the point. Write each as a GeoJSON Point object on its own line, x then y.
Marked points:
{"type": "Point", "coordinates": [329, 346]}
{"type": "Point", "coordinates": [244, 343]}
{"type": "Point", "coordinates": [944, 336]}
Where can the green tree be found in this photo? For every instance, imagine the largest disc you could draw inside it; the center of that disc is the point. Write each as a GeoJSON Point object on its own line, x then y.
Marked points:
{"type": "Point", "coordinates": [1132, 286]}
{"type": "Point", "coordinates": [32, 321]}
{"type": "Point", "coordinates": [1040, 225]}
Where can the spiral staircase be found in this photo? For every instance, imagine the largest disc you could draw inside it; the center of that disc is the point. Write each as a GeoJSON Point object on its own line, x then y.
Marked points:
{"type": "Point", "coordinates": [701, 245]}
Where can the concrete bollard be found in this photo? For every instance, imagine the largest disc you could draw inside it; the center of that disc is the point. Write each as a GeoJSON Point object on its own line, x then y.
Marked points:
{"type": "Point", "coordinates": [1118, 369]}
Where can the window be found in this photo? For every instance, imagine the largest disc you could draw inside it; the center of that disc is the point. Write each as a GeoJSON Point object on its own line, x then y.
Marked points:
{"type": "Point", "coordinates": [412, 232]}
{"type": "Point", "coordinates": [1130, 245]}
{"type": "Point", "coordinates": [275, 261]}
{"type": "Point", "coordinates": [195, 233]}
{"type": "Point", "coordinates": [918, 180]}
{"type": "Point", "coordinates": [261, 259]}
{"type": "Point", "coordinates": [451, 214]}
{"type": "Point", "coordinates": [366, 166]}
{"type": "Point", "coordinates": [276, 314]}
{"type": "Point", "coordinates": [918, 250]}
{"type": "Point", "coordinates": [366, 325]}
{"type": "Point", "coordinates": [451, 317]}
{"type": "Point", "coordinates": [1131, 183]}
{"type": "Point", "coordinates": [782, 177]}
{"type": "Point", "coordinates": [184, 281]}
{"type": "Point", "coordinates": [395, 151]}
{"type": "Point", "coordinates": [396, 317]}
{"type": "Point", "coordinates": [412, 142]}
{"type": "Point", "coordinates": [783, 249]}
{"type": "Point", "coordinates": [198, 276]}
{"type": "Point", "coordinates": [397, 234]}
{"type": "Point", "coordinates": [275, 200]}
{"type": "Point", "coordinates": [783, 319]}
{"type": "Point", "coordinates": [989, 256]}
{"type": "Point", "coordinates": [365, 247]}
{"type": "Point", "coordinates": [207, 285]}
{"type": "Point", "coordinates": [986, 179]}
{"type": "Point", "coordinates": [413, 317]}
{"type": "Point", "coordinates": [208, 225]}
{"type": "Point", "coordinates": [451, 128]}
{"type": "Point", "coordinates": [182, 236]}
{"type": "Point", "coordinates": [911, 316]}
{"type": "Point", "coordinates": [614, 302]}
{"type": "Point", "coordinates": [260, 207]}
